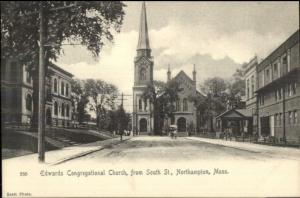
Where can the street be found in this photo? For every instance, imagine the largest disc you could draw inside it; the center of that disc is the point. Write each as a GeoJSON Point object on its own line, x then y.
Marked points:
{"type": "Point", "coordinates": [156, 166]}
{"type": "Point", "coordinates": [164, 149]}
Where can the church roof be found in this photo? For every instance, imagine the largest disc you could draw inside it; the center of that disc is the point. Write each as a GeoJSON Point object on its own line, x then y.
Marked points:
{"type": "Point", "coordinates": [143, 42]}
{"type": "Point", "coordinates": [182, 73]}
{"type": "Point", "coordinates": [236, 113]}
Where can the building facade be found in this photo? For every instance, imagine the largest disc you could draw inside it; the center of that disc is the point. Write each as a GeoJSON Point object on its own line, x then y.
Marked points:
{"type": "Point", "coordinates": [17, 94]}
{"type": "Point", "coordinates": [278, 92]}
{"type": "Point", "coordinates": [185, 115]}
{"type": "Point", "coordinates": [142, 120]}
{"type": "Point", "coordinates": [250, 76]}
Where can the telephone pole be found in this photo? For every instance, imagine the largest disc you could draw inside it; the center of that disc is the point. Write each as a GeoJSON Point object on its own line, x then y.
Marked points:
{"type": "Point", "coordinates": [41, 79]}
{"type": "Point", "coordinates": [41, 91]}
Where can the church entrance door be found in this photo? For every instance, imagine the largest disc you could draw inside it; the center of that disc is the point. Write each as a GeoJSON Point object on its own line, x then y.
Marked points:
{"type": "Point", "coordinates": [143, 125]}
{"type": "Point", "coordinates": [181, 124]}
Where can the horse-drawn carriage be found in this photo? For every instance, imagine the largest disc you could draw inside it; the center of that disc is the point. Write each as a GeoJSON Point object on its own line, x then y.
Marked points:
{"type": "Point", "coordinates": [173, 131]}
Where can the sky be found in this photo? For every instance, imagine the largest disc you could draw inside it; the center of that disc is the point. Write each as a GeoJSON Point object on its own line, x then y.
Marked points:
{"type": "Point", "coordinates": [215, 36]}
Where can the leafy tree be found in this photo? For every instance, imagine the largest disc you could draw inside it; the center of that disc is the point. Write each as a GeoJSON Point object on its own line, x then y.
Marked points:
{"type": "Point", "coordinates": [215, 101]}
{"type": "Point", "coordinates": [162, 96]}
{"type": "Point", "coordinates": [236, 88]}
{"type": "Point", "coordinates": [103, 96]}
{"type": "Point", "coordinates": [89, 23]}
{"type": "Point", "coordinates": [79, 99]}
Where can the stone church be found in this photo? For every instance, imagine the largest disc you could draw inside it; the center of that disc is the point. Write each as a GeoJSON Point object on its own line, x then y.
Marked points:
{"type": "Point", "coordinates": [142, 119]}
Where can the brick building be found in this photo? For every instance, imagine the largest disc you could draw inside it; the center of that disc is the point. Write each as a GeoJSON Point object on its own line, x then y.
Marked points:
{"type": "Point", "coordinates": [278, 91]}
{"type": "Point", "coordinates": [250, 76]}
{"type": "Point", "coordinates": [17, 94]}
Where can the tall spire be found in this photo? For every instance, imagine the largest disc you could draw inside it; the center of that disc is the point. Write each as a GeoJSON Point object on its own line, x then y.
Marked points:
{"type": "Point", "coordinates": [169, 73]}
{"type": "Point", "coordinates": [194, 73]}
{"type": "Point", "coordinates": [143, 43]}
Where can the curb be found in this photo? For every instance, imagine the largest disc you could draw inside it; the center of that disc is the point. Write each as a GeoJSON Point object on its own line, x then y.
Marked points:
{"type": "Point", "coordinates": [85, 153]}
{"type": "Point", "coordinates": [235, 147]}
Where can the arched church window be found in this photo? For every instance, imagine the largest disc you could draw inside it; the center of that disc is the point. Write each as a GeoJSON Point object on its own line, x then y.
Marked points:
{"type": "Point", "coordinates": [140, 104]}
{"type": "Point", "coordinates": [143, 74]}
{"type": "Point", "coordinates": [185, 105]}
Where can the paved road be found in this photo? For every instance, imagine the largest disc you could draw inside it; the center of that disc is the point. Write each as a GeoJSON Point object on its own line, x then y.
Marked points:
{"type": "Point", "coordinates": [182, 149]}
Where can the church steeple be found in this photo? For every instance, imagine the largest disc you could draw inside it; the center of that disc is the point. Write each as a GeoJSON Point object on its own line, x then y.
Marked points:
{"type": "Point", "coordinates": [194, 73]}
{"type": "Point", "coordinates": [169, 73]}
{"type": "Point", "coordinates": [143, 43]}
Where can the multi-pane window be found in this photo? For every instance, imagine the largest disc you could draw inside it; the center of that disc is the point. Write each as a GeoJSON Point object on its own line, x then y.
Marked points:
{"type": "Point", "coordinates": [140, 104]}
{"type": "Point", "coordinates": [28, 102]}
{"type": "Point", "coordinates": [55, 108]}
{"type": "Point", "coordinates": [284, 63]}
{"type": "Point", "coordinates": [261, 100]}
{"type": "Point", "coordinates": [248, 91]}
{"type": "Point", "coordinates": [267, 75]}
{"type": "Point", "coordinates": [62, 88]}
{"type": "Point", "coordinates": [55, 85]}
{"type": "Point", "coordinates": [185, 105]}
{"type": "Point", "coordinates": [145, 105]}
{"type": "Point", "coordinates": [289, 60]}
{"type": "Point", "coordinates": [68, 110]}
{"type": "Point", "coordinates": [28, 77]}
{"type": "Point", "coordinates": [275, 70]}
{"type": "Point", "coordinates": [276, 119]}
{"type": "Point", "coordinates": [178, 105]}
{"type": "Point", "coordinates": [63, 109]}
{"type": "Point", "coordinates": [67, 89]}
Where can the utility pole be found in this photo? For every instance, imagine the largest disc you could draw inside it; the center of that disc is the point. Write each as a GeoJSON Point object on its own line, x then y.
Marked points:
{"type": "Point", "coordinates": [41, 92]}
{"type": "Point", "coordinates": [41, 86]}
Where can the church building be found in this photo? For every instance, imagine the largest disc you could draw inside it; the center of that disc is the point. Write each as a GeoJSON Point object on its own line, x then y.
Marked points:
{"type": "Point", "coordinates": [185, 116]}
{"type": "Point", "coordinates": [142, 119]}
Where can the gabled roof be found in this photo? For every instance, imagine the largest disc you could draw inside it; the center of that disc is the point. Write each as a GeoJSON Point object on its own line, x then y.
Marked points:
{"type": "Point", "coordinates": [242, 113]}
{"type": "Point", "coordinates": [182, 73]}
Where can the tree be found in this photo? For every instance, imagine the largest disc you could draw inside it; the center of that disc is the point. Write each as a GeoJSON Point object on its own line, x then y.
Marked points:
{"type": "Point", "coordinates": [79, 99]}
{"type": "Point", "coordinates": [89, 23]}
{"type": "Point", "coordinates": [215, 100]}
{"type": "Point", "coordinates": [162, 96]}
{"type": "Point", "coordinates": [103, 96]}
{"type": "Point", "coordinates": [236, 88]}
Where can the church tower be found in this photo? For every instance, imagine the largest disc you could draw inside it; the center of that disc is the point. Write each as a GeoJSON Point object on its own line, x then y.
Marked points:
{"type": "Point", "coordinates": [168, 74]}
{"type": "Point", "coordinates": [142, 119]}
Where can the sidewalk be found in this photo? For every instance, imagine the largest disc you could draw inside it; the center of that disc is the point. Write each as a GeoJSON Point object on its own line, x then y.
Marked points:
{"type": "Point", "coordinates": [59, 156]}
{"type": "Point", "coordinates": [284, 152]}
